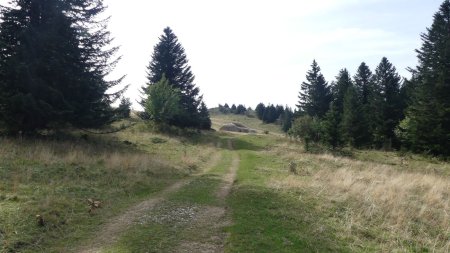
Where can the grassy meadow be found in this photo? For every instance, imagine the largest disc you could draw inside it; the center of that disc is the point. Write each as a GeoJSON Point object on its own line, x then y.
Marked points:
{"type": "Point", "coordinates": [367, 201]}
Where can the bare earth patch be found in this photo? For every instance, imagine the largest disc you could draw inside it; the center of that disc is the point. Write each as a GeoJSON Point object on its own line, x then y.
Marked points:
{"type": "Point", "coordinates": [114, 228]}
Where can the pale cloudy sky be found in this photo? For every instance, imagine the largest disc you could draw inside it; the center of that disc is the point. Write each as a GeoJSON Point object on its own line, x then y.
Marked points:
{"type": "Point", "coordinates": [251, 51]}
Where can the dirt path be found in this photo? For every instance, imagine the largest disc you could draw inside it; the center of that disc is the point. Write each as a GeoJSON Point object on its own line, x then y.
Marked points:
{"type": "Point", "coordinates": [210, 222]}
{"type": "Point", "coordinates": [111, 231]}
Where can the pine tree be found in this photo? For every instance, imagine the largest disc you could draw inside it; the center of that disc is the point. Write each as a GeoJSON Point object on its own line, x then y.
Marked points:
{"type": "Point", "coordinates": [286, 119]}
{"type": "Point", "coordinates": [53, 64]}
{"type": "Point", "coordinates": [169, 59]}
{"type": "Point", "coordinates": [270, 114]}
{"type": "Point", "coordinates": [331, 124]}
{"type": "Point", "coordinates": [260, 109]}
{"type": "Point", "coordinates": [339, 88]}
{"type": "Point", "coordinates": [124, 109]}
{"type": "Point", "coordinates": [389, 82]}
{"type": "Point", "coordinates": [233, 109]}
{"type": "Point", "coordinates": [366, 97]}
{"type": "Point", "coordinates": [427, 125]}
{"type": "Point", "coordinates": [241, 109]}
{"type": "Point", "coordinates": [315, 96]}
{"type": "Point", "coordinates": [205, 121]}
{"type": "Point", "coordinates": [351, 125]}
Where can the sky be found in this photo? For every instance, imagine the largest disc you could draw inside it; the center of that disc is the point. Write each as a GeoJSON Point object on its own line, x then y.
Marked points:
{"type": "Point", "coordinates": [251, 51]}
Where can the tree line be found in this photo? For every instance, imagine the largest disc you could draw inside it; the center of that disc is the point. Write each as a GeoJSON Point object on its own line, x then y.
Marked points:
{"type": "Point", "coordinates": [239, 109]}
{"type": "Point", "coordinates": [55, 57]}
{"type": "Point", "coordinates": [380, 110]}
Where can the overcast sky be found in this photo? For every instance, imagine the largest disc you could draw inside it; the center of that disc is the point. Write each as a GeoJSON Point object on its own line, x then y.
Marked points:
{"type": "Point", "coordinates": [251, 51]}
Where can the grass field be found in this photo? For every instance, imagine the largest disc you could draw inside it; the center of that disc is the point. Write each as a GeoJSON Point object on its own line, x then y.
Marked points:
{"type": "Point", "coordinates": [370, 201]}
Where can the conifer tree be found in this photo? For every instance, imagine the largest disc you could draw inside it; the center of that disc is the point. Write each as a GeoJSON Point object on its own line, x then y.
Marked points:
{"type": "Point", "coordinates": [351, 124]}
{"type": "Point", "coordinates": [260, 109]}
{"type": "Point", "coordinates": [315, 96]}
{"type": "Point", "coordinates": [124, 109]}
{"type": "Point", "coordinates": [286, 119]}
{"type": "Point", "coordinates": [427, 125]}
{"type": "Point", "coordinates": [169, 59]}
{"type": "Point", "coordinates": [53, 65]}
{"type": "Point", "coordinates": [367, 96]}
{"type": "Point", "coordinates": [233, 109]}
{"type": "Point", "coordinates": [270, 114]}
{"type": "Point", "coordinates": [331, 124]}
{"type": "Point", "coordinates": [388, 82]}
{"type": "Point", "coordinates": [205, 121]}
{"type": "Point", "coordinates": [339, 88]}
{"type": "Point", "coordinates": [241, 109]}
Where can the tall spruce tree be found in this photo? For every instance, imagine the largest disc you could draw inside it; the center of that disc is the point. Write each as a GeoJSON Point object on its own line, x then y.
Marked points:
{"type": "Point", "coordinates": [333, 118]}
{"type": "Point", "coordinates": [427, 125]}
{"type": "Point", "coordinates": [315, 95]}
{"type": "Point", "coordinates": [388, 82]}
{"type": "Point", "coordinates": [204, 117]}
{"type": "Point", "coordinates": [339, 88]}
{"type": "Point", "coordinates": [331, 124]}
{"type": "Point", "coordinates": [351, 124]}
{"type": "Point", "coordinates": [366, 93]}
{"type": "Point", "coordinates": [169, 59]}
{"type": "Point", "coordinates": [53, 64]}
{"type": "Point", "coordinates": [286, 119]}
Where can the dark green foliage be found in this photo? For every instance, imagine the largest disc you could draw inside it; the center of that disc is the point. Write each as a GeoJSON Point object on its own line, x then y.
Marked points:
{"type": "Point", "coordinates": [315, 96]}
{"type": "Point", "coordinates": [367, 98]}
{"type": "Point", "coordinates": [286, 119]}
{"type": "Point", "coordinates": [339, 88]}
{"type": "Point", "coordinates": [224, 108]}
{"type": "Point", "coordinates": [205, 121]}
{"type": "Point", "coordinates": [124, 109]}
{"type": "Point", "coordinates": [169, 60]}
{"type": "Point", "coordinates": [331, 125]}
{"type": "Point", "coordinates": [272, 114]}
{"type": "Point", "coordinates": [233, 109]}
{"type": "Point", "coordinates": [364, 83]}
{"type": "Point", "coordinates": [260, 109]}
{"type": "Point", "coordinates": [427, 126]}
{"type": "Point", "coordinates": [53, 64]}
{"type": "Point", "coordinates": [241, 109]}
{"type": "Point", "coordinates": [350, 126]}
{"type": "Point", "coordinates": [388, 82]}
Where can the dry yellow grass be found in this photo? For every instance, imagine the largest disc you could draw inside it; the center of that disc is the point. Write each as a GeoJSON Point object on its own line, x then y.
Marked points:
{"type": "Point", "coordinates": [399, 207]}
{"type": "Point", "coordinates": [83, 154]}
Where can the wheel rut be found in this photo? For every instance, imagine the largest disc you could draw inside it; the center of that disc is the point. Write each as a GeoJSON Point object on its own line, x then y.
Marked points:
{"type": "Point", "coordinates": [211, 220]}
{"type": "Point", "coordinates": [110, 232]}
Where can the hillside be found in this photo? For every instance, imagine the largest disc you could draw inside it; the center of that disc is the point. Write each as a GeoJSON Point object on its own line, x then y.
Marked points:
{"type": "Point", "coordinates": [216, 192]}
{"type": "Point", "coordinates": [219, 119]}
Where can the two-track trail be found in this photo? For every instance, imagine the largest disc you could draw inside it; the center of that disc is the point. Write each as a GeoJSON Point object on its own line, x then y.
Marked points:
{"type": "Point", "coordinates": [212, 219]}
{"type": "Point", "coordinates": [210, 222]}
